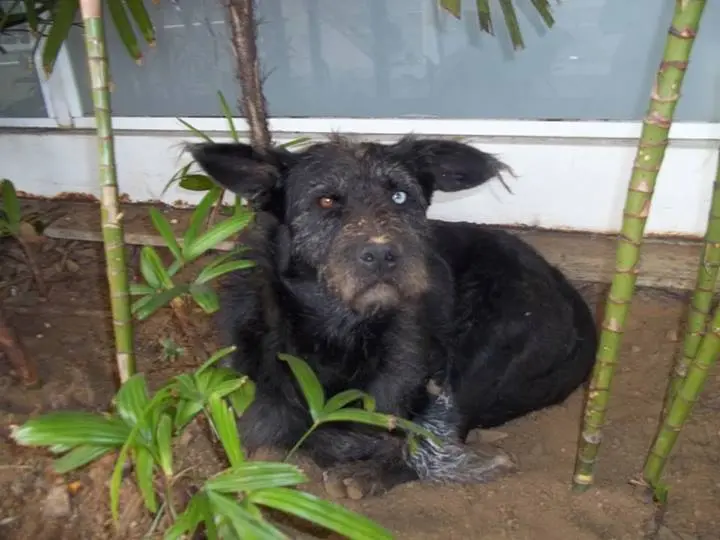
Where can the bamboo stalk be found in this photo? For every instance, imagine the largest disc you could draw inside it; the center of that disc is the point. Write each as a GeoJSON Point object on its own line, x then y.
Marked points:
{"type": "Point", "coordinates": [701, 302]}
{"type": "Point", "coordinates": [683, 403]}
{"type": "Point", "coordinates": [243, 36]}
{"type": "Point", "coordinates": [648, 160]}
{"type": "Point", "coordinates": [110, 215]}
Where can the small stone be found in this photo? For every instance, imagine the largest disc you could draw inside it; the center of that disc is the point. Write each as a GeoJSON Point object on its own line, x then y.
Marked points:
{"type": "Point", "coordinates": [672, 335]}
{"type": "Point", "coordinates": [489, 436]}
{"type": "Point", "coordinates": [57, 503]}
{"type": "Point", "coordinates": [72, 265]}
{"type": "Point", "coordinates": [635, 349]}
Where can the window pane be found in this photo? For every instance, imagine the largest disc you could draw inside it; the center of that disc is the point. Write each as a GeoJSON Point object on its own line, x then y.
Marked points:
{"type": "Point", "coordinates": [405, 58]}
{"type": "Point", "coordinates": [20, 94]}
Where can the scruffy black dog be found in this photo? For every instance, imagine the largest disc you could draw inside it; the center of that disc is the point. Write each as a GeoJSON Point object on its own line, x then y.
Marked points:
{"type": "Point", "coordinates": [452, 325]}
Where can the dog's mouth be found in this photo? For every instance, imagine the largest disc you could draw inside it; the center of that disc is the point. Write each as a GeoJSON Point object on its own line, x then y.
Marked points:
{"type": "Point", "coordinates": [379, 296]}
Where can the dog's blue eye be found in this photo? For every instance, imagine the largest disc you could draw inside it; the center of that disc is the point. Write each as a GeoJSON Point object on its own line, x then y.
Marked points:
{"type": "Point", "coordinates": [399, 197]}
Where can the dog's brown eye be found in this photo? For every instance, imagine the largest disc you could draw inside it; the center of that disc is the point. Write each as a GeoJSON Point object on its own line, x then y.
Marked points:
{"type": "Point", "coordinates": [326, 202]}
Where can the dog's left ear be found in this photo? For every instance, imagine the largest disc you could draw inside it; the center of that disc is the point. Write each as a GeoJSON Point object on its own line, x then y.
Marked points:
{"type": "Point", "coordinates": [442, 165]}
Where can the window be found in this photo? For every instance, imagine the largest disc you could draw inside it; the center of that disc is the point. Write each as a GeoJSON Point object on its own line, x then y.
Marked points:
{"type": "Point", "coordinates": [406, 58]}
{"type": "Point", "coordinates": [20, 93]}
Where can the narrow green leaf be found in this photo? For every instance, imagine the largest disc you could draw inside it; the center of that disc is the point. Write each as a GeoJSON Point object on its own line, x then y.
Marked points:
{"type": "Point", "coordinates": [221, 232]}
{"type": "Point", "coordinates": [512, 24]}
{"type": "Point", "coordinates": [454, 7]}
{"type": "Point", "coordinates": [59, 448]}
{"type": "Point", "coordinates": [324, 513]}
{"type": "Point", "coordinates": [245, 524]}
{"type": "Point", "coordinates": [153, 270]}
{"type": "Point", "coordinates": [229, 386]}
{"type": "Point", "coordinates": [543, 8]}
{"type": "Point", "coordinates": [253, 475]}
{"type": "Point", "coordinates": [227, 113]}
{"type": "Point", "coordinates": [143, 308]}
{"type": "Point", "coordinates": [124, 29]}
{"type": "Point", "coordinates": [162, 225]}
{"type": "Point", "coordinates": [338, 401]}
{"type": "Point", "coordinates": [196, 182]}
{"type": "Point", "coordinates": [217, 355]}
{"type": "Point", "coordinates": [198, 218]}
{"type": "Point", "coordinates": [71, 429]}
{"type": "Point", "coordinates": [242, 398]}
{"type": "Point", "coordinates": [195, 130]}
{"type": "Point", "coordinates": [185, 412]}
{"type": "Point", "coordinates": [62, 21]}
{"type": "Point", "coordinates": [10, 204]}
{"type": "Point", "coordinates": [79, 457]}
{"type": "Point", "coordinates": [131, 400]}
{"type": "Point", "coordinates": [212, 272]}
{"type": "Point", "coordinates": [180, 173]}
{"type": "Point", "coordinates": [376, 419]}
{"type": "Point", "coordinates": [224, 421]}
{"type": "Point", "coordinates": [32, 16]}
{"type": "Point", "coordinates": [187, 522]}
{"type": "Point", "coordinates": [144, 472]}
{"type": "Point", "coordinates": [484, 17]}
{"type": "Point", "coordinates": [309, 384]}
{"type": "Point", "coordinates": [297, 141]}
{"type": "Point", "coordinates": [140, 289]}
{"type": "Point", "coordinates": [142, 19]}
{"type": "Point", "coordinates": [205, 297]}
{"type": "Point", "coordinates": [163, 439]}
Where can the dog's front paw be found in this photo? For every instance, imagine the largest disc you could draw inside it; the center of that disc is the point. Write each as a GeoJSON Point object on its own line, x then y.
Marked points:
{"type": "Point", "coordinates": [354, 481]}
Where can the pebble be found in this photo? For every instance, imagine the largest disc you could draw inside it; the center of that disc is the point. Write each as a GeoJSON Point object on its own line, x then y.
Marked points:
{"type": "Point", "coordinates": [57, 503]}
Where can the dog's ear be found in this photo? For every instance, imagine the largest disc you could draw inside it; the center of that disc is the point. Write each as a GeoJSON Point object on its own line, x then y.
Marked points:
{"type": "Point", "coordinates": [257, 177]}
{"type": "Point", "coordinates": [443, 165]}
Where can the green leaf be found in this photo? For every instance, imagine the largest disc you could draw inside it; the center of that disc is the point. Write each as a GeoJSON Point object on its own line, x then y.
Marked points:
{"type": "Point", "coordinates": [11, 205]}
{"type": "Point", "coordinates": [245, 524]}
{"type": "Point", "coordinates": [195, 130]}
{"type": "Point", "coordinates": [216, 357]}
{"type": "Point", "coordinates": [144, 465]}
{"type": "Point", "coordinates": [140, 289]}
{"type": "Point", "coordinates": [453, 7]}
{"type": "Point", "coordinates": [199, 216]}
{"type": "Point", "coordinates": [295, 142]}
{"type": "Point", "coordinates": [221, 232]}
{"type": "Point", "coordinates": [186, 523]}
{"type": "Point", "coordinates": [242, 398]}
{"type": "Point", "coordinates": [197, 182]}
{"type": "Point", "coordinates": [32, 16]}
{"type": "Point", "coordinates": [163, 439]}
{"type": "Point", "coordinates": [543, 8]}
{"type": "Point", "coordinates": [512, 24]}
{"type": "Point", "coordinates": [205, 297]}
{"type": "Point", "coordinates": [388, 422]}
{"type": "Point", "coordinates": [227, 113]}
{"type": "Point", "coordinates": [484, 17]}
{"type": "Point", "coordinates": [324, 513]}
{"type": "Point", "coordinates": [211, 272]}
{"type": "Point", "coordinates": [229, 386]}
{"type": "Point", "coordinates": [185, 412]}
{"type": "Point", "coordinates": [309, 384]}
{"type": "Point", "coordinates": [72, 429]}
{"type": "Point", "coordinates": [131, 400]}
{"type": "Point", "coordinates": [153, 270]}
{"type": "Point", "coordinates": [142, 19]}
{"type": "Point", "coordinates": [148, 305]}
{"type": "Point", "coordinates": [79, 457]}
{"type": "Point", "coordinates": [162, 225]}
{"type": "Point", "coordinates": [124, 29]}
{"type": "Point", "coordinates": [180, 173]}
{"type": "Point", "coordinates": [62, 21]}
{"type": "Point", "coordinates": [253, 475]}
{"type": "Point", "coordinates": [224, 421]}
{"type": "Point", "coordinates": [338, 401]}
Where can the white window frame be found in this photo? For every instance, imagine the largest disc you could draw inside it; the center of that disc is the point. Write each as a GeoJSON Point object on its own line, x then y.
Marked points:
{"type": "Point", "coordinates": [63, 103]}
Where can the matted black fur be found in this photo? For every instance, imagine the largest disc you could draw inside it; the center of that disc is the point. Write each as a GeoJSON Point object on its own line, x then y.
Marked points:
{"type": "Point", "coordinates": [352, 276]}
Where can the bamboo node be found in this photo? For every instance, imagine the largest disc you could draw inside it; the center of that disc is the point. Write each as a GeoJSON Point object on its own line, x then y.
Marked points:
{"type": "Point", "coordinates": [657, 119]}
{"type": "Point", "coordinates": [592, 438]}
{"type": "Point", "coordinates": [584, 479]}
{"type": "Point", "coordinates": [685, 33]}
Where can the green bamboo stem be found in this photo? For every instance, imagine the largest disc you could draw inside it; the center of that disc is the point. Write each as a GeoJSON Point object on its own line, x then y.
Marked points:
{"type": "Point", "coordinates": [111, 217]}
{"type": "Point", "coordinates": [682, 404]}
{"type": "Point", "coordinates": [699, 307]}
{"type": "Point", "coordinates": [648, 160]}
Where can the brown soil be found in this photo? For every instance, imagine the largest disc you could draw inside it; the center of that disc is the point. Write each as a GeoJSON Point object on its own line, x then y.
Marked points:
{"type": "Point", "coordinates": [69, 336]}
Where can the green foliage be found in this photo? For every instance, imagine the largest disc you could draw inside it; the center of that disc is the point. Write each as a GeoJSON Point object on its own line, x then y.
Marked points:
{"type": "Point", "coordinates": [141, 427]}
{"type": "Point", "coordinates": [10, 213]}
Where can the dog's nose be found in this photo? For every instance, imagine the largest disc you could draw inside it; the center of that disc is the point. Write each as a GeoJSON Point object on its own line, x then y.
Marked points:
{"type": "Point", "coordinates": [378, 256]}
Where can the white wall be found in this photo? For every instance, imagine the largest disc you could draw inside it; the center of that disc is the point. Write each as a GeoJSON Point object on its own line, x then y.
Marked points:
{"type": "Point", "coordinates": [569, 184]}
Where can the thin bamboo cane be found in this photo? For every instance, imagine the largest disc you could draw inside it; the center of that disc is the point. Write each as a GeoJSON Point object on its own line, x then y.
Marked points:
{"type": "Point", "coordinates": [648, 160]}
{"type": "Point", "coordinates": [111, 217]}
{"type": "Point", "coordinates": [701, 301]}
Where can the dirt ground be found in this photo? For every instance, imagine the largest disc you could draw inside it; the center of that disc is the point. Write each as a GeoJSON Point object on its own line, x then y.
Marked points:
{"type": "Point", "coordinates": [69, 336]}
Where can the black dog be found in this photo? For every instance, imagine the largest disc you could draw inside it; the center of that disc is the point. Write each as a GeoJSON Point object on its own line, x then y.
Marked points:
{"type": "Point", "coordinates": [351, 276]}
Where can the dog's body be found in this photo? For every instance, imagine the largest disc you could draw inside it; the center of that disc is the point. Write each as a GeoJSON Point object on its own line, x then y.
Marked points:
{"type": "Point", "coordinates": [352, 277]}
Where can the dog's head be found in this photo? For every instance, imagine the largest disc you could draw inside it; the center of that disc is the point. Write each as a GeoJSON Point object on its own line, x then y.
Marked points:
{"type": "Point", "coordinates": [355, 213]}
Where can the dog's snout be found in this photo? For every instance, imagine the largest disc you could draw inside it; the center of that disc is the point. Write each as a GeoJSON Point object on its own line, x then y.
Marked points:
{"type": "Point", "coordinates": [378, 257]}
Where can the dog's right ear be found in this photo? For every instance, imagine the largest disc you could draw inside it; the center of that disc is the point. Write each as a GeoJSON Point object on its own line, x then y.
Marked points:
{"type": "Point", "coordinates": [237, 167]}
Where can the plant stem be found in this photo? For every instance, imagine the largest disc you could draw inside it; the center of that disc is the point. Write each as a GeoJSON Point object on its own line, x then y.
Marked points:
{"type": "Point", "coordinates": [682, 404]}
{"type": "Point", "coordinates": [701, 302]}
{"type": "Point", "coordinates": [111, 217]}
{"type": "Point", "coordinates": [302, 439]}
{"type": "Point", "coordinates": [14, 348]}
{"type": "Point", "coordinates": [243, 36]}
{"type": "Point", "coordinates": [32, 264]}
{"type": "Point", "coordinates": [648, 160]}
